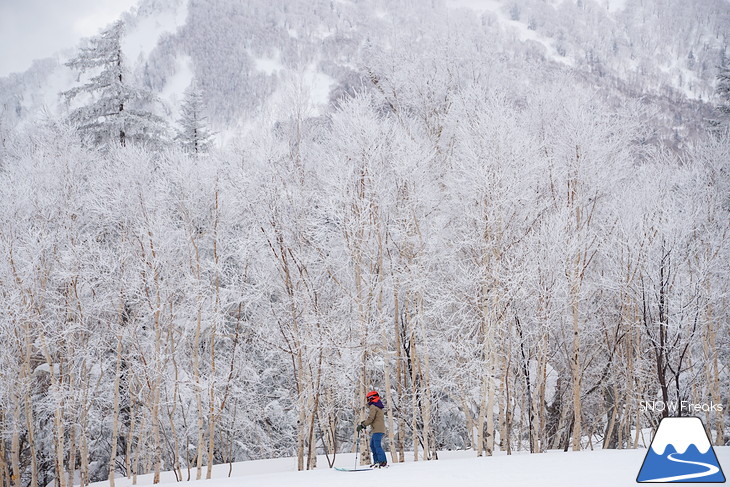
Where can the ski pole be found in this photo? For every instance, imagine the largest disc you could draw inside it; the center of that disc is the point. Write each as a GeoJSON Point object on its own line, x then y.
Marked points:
{"type": "Point", "coordinates": [357, 449]}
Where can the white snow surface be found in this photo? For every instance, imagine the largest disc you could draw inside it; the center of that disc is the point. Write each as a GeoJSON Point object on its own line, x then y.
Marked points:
{"type": "Point", "coordinates": [518, 30]}
{"type": "Point", "coordinates": [269, 65]}
{"type": "Point", "coordinates": [600, 468]}
{"type": "Point", "coordinates": [680, 433]}
{"type": "Point", "coordinates": [174, 90]}
{"type": "Point", "coordinates": [319, 85]}
{"type": "Point", "coordinates": [614, 5]}
{"type": "Point", "coordinates": [141, 38]}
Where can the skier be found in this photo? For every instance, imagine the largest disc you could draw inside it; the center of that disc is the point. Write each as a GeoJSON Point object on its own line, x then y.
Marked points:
{"type": "Point", "coordinates": [376, 418]}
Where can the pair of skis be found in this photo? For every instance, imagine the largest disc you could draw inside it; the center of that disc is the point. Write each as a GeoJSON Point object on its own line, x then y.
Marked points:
{"type": "Point", "coordinates": [342, 469]}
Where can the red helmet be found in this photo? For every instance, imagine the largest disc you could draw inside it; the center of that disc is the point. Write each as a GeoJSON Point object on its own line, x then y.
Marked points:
{"type": "Point", "coordinates": [372, 396]}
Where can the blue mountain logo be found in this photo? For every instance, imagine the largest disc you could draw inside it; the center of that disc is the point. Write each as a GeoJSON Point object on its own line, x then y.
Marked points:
{"type": "Point", "coordinates": [681, 452]}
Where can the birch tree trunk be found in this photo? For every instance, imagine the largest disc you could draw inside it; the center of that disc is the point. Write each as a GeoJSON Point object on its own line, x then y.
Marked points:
{"type": "Point", "coordinates": [576, 365]}
{"type": "Point", "coordinates": [485, 439]}
{"type": "Point", "coordinates": [83, 429]}
{"type": "Point", "coordinates": [713, 371]}
{"type": "Point", "coordinates": [414, 364]}
{"type": "Point", "coordinates": [216, 314]}
{"type": "Point", "coordinates": [575, 276]}
{"type": "Point", "coordinates": [26, 376]}
{"type": "Point", "coordinates": [357, 262]}
{"type": "Point", "coordinates": [470, 427]}
{"type": "Point", "coordinates": [428, 447]}
{"type": "Point", "coordinates": [84, 450]}
{"type": "Point", "coordinates": [130, 433]}
{"type": "Point", "coordinates": [172, 410]}
{"type": "Point", "coordinates": [71, 454]}
{"type": "Point", "coordinates": [115, 414]}
{"type": "Point", "coordinates": [60, 441]}
{"type": "Point", "coordinates": [198, 389]}
{"type": "Point", "coordinates": [200, 444]}
{"type": "Point", "coordinates": [541, 433]}
{"type": "Point", "coordinates": [491, 373]}
{"type": "Point", "coordinates": [399, 374]}
{"type": "Point", "coordinates": [385, 351]}
{"type": "Point", "coordinates": [313, 414]}
{"type": "Point", "coordinates": [505, 411]}
{"type": "Point", "coordinates": [636, 340]}
{"type": "Point", "coordinates": [481, 445]}
{"type": "Point", "coordinates": [58, 420]}
{"type": "Point", "coordinates": [15, 442]}
{"type": "Point", "coordinates": [156, 384]}
{"type": "Point", "coordinates": [138, 451]}
{"type": "Point", "coordinates": [5, 480]}
{"type": "Point", "coordinates": [200, 448]}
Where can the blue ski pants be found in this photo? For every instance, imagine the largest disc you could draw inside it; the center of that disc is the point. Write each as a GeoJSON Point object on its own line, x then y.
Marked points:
{"type": "Point", "coordinates": [376, 448]}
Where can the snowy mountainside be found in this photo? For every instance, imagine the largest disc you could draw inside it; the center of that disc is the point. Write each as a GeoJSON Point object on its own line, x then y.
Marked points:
{"type": "Point", "coordinates": [247, 55]}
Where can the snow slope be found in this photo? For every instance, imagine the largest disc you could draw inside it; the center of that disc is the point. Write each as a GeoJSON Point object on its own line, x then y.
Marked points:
{"type": "Point", "coordinates": [601, 468]}
{"type": "Point", "coordinates": [514, 30]}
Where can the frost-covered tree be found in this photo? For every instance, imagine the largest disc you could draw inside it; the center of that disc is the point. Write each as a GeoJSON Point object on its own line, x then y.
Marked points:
{"type": "Point", "coordinates": [113, 109]}
{"type": "Point", "coordinates": [192, 133]}
{"type": "Point", "coordinates": [723, 90]}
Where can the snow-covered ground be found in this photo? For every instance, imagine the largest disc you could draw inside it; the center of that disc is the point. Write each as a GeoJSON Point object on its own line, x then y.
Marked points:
{"type": "Point", "coordinates": [515, 30]}
{"type": "Point", "coordinates": [600, 468]}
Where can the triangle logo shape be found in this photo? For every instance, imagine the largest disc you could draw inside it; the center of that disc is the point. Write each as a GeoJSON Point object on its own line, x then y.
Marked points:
{"type": "Point", "coordinates": [681, 452]}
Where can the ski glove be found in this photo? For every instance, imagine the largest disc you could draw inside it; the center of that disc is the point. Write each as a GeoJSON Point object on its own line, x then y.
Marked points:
{"type": "Point", "coordinates": [360, 427]}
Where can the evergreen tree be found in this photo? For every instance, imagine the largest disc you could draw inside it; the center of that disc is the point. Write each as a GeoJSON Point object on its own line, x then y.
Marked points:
{"type": "Point", "coordinates": [117, 110]}
{"type": "Point", "coordinates": [192, 133]}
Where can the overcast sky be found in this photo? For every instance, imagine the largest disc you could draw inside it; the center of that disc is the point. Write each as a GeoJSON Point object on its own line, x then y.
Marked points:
{"type": "Point", "coordinates": [32, 29]}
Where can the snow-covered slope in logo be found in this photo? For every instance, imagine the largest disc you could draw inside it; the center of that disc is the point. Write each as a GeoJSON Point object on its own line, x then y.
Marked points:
{"type": "Point", "coordinates": [681, 452]}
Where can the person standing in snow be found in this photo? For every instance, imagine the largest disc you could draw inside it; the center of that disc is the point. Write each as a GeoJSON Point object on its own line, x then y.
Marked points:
{"type": "Point", "coordinates": [376, 418]}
